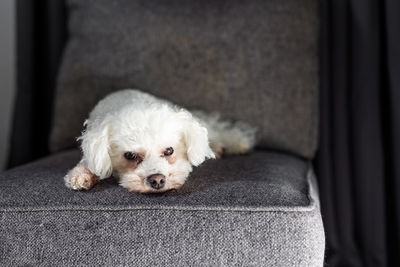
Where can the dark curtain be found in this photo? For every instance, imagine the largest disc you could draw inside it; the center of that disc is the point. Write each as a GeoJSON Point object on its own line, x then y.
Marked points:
{"type": "Point", "coordinates": [358, 162]}
{"type": "Point", "coordinates": [41, 35]}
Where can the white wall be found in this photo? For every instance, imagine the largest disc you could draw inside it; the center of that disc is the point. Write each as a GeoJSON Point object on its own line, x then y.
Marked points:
{"type": "Point", "coordinates": [7, 74]}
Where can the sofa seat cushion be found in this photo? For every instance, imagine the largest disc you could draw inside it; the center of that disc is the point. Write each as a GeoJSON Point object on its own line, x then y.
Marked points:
{"type": "Point", "coordinates": [245, 210]}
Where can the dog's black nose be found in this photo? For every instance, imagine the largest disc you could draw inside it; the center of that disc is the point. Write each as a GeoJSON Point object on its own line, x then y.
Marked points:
{"type": "Point", "coordinates": [156, 181]}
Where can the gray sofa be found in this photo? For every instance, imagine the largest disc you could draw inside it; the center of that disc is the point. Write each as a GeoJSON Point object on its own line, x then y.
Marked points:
{"type": "Point", "coordinates": [249, 60]}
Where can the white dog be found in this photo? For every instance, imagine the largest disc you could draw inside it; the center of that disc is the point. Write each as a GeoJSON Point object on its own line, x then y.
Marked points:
{"type": "Point", "coordinates": [149, 144]}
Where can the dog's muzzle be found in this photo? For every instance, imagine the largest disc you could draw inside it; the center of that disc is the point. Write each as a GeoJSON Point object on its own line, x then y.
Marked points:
{"type": "Point", "coordinates": [156, 181]}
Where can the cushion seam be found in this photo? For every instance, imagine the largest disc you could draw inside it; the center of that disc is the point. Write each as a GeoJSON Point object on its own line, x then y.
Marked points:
{"type": "Point", "coordinates": [116, 209]}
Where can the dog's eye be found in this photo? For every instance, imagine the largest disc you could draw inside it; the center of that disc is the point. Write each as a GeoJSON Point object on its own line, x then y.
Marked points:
{"type": "Point", "coordinates": [169, 151]}
{"type": "Point", "coordinates": [131, 156]}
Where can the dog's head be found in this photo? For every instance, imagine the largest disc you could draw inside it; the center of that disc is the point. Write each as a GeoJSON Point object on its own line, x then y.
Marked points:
{"type": "Point", "coordinates": [151, 150]}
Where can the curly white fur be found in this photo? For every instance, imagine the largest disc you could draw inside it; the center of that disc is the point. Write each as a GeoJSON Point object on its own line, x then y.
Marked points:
{"type": "Point", "coordinates": [139, 123]}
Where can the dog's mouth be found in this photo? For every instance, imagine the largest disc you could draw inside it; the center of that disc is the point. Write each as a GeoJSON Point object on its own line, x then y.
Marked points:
{"type": "Point", "coordinates": [153, 183]}
{"type": "Point", "coordinates": [155, 192]}
{"type": "Point", "coordinates": [151, 191]}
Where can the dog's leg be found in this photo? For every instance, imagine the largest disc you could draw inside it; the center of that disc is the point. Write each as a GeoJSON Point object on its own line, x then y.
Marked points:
{"type": "Point", "coordinates": [236, 138]}
{"type": "Point", "coordinates": [227, 137]}
{"type": "Point", "coordinates": [80, 177]}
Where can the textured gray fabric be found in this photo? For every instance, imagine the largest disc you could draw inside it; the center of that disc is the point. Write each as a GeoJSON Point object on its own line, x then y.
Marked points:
{"type": "Point", "coordinates": [250, 60]}
{"type": "Point", "coordinates": [43, 223]}
{"type": "Point", "coordinates": [161, 238]}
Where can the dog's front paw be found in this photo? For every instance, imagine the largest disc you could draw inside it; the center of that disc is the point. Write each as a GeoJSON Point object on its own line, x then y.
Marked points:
{"type": "Point", "coordinates": [80, 178]}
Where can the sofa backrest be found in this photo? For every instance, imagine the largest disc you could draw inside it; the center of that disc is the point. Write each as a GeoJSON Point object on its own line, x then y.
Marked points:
{"type": "Point", "coordinates": [250, 60]}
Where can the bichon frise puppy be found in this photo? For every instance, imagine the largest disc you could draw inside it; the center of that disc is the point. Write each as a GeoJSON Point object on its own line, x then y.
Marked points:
{"type": "Point", "coordinates": [149, 144]}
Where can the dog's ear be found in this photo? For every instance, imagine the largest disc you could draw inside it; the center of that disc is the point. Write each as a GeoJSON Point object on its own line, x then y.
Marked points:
{"type": "Point", "coordinates": [196, 140]}
{"type": "Point", "coordinates": [95, 148]}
